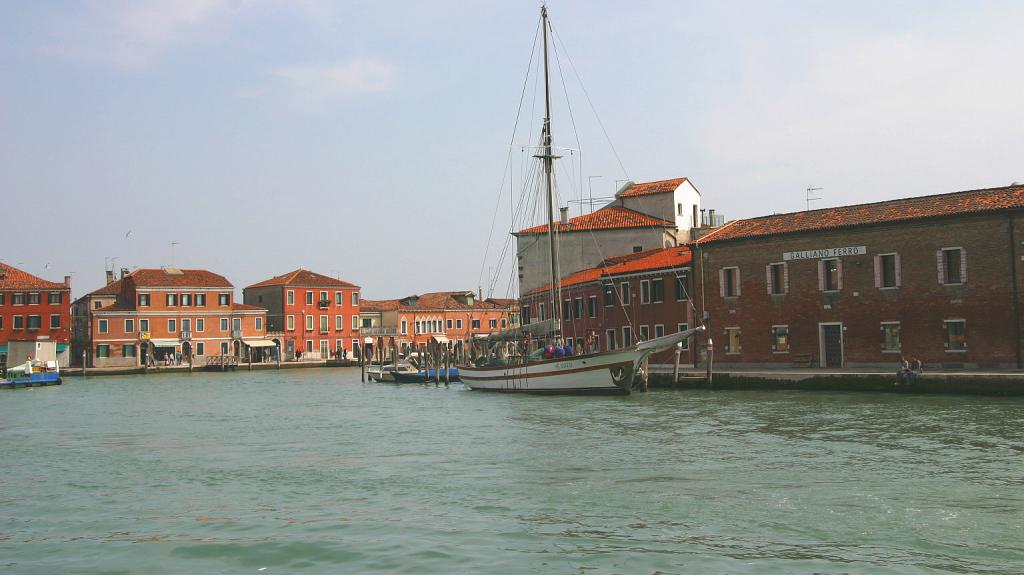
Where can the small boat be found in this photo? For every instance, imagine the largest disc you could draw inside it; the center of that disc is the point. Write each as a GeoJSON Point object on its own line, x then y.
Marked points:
{"type": "Point", "coordinates": [32, 374]}
{"type": "Point", "coordinates": [426, 376]}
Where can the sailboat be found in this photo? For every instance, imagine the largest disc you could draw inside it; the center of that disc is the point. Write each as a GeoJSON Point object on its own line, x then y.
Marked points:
{"type": "Point", "coordinates": [507, 361]}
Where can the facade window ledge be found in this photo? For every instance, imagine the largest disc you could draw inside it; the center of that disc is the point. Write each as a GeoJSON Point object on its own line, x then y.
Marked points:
{"type": "Point", "coordinates": [956, 351]}
{"type": "Point", "coordinates": [889, 288]}
{"type": "Point", "coordinates": [732, 353]}
{"type": "Point", "coordinates": [731, 297]}
{"type": "Point", "coordinates": [891, 351]}
{"type": "Point", "coordinates": [780, 352]}
{"type": "Point", "coordinates": [831, 291]}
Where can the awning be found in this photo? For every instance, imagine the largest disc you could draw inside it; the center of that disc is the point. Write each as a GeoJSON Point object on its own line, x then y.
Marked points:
{"type": "Point", "coordinates": [259, 343]}
{"type": "Point", "coordinates": [62, 347]}
{"type": "Point", "coordinates": [164, 342]}
{"type": "Point", "coordinates": [3, 349]}
{"type": "Point", "coordinates": [439, 338]}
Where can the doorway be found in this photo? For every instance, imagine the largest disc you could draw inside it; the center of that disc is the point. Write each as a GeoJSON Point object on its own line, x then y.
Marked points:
{"type": "Point", "coordinates": [831, 337]}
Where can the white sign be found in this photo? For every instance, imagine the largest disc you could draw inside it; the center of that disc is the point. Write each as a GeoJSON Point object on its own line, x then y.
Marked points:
{"type": "Point", "coordinates": [825, 253]}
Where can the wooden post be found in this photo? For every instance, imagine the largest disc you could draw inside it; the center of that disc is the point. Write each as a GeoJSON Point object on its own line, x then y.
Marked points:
{"type": "Point", "coordinates": [278, 348]}
{"type": "Point", "coordinates": [437, 363]}
{"type": "Point", "coordinates": [190, 356]}
{"type": "Point", "coordinates": [447, 363]}
{"type": "Point", "coordinates": [644, 367]}
{"type": "Point", "coordinates": [249, 354]}
{"type": "Point", "coordinates": [83, 363]}
{"type": "Point", "coordinates": [711, 360]}
{"type": "Point", "coordinates": [675, 371]}
{"type": "Point", "coordinates": [362, 364]}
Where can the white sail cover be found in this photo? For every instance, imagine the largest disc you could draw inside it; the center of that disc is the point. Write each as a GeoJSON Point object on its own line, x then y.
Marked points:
{"type": "Point", "coordinates": [536, 329]}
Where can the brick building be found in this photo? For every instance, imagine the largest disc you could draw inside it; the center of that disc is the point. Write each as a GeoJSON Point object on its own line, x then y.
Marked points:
{"type": "Point", "coordinates": [166, 313]}
{"type": "Point", "coordinates": [629, 298]}
{"type": "Point", "coordinates": [441, 316]}
{"type": "Point", "coordinates": [935, 277]}
{"type": "Point", "coordinates": [33, 309]}
{"type": "Point", "coordinates": [641, 217]}
{"type": "Point", "coordinates": [308, 312]}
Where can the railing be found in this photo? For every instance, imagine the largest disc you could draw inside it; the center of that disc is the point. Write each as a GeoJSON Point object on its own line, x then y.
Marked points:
{"type": "Point", "coordinates": [377, 331]}
{"type": "Point", "coordinates": [324, 303]}
{"type": "Point", "coordinates": [186, 335]}
{"type": "Point", "coordinates": [236, 334]}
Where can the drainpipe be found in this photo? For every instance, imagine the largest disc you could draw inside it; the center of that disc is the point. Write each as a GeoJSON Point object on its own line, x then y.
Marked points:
{"type": "Point", "coordinates": [1016, 295]}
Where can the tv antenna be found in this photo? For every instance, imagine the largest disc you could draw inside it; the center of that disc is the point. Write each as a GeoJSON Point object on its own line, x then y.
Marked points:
{"type": "Point", "coordinates": [810, 191]}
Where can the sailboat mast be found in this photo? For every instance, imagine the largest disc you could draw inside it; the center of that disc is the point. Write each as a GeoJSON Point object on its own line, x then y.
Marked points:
{"type": "Point", "coordinates": [549, 182]}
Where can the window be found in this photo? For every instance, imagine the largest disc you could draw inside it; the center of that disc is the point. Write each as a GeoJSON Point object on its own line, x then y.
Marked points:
{"type": "Point", "coordinates": [830, 275]}
{"type": "Point", "coordinates": [887, 271]}
{"type": "Point", "coordinates": [657, 290]}
{"type": "Point", "coordinates": [681, 327]}
{"type": "Point", "coordinates": [186, 324]}
{"type": "Point", "coordinates": [592, 306]}
{"type": "Point", "coordinates": [103, 326]}
{"type": "Point", "coordinates": [339, 299]}
{"type": "Point", "coordinates": [309, 323]}
{"type": "Point", "coordinates": [291, 297]}
{"type": "Point", "coordinates": [200, 348]}
{"type": "Point", "coordinates": [542, 314]}
{"type": "Point", "coordinates": [172, 299]}
{"type": "Point", "coordinates": [624, 296]}
{"type": "Point", "coordinates": [236, 324]}
{"type": "Point", "coordinates": [577, 308]}
{"type": "Point", "coordinates": [679, 209]}
{"type": "Point", "coordinates": [200, 324]}
{"type": "Point", "coordinates": [1, 299]}
{"type": "Point", "coordinates": [732, 340]}
{"type": "Point", "coordinates": [33, 299]}
{"type": "Point", "coordinates": [567, 310]}
{"type": "Point", "coordinates": [609, 295]}
{"type": "Point", "coordinates": [224, 299]}
{"type": "Point", "coordinates": [186, 299]}
{"type": "Point", "coordinates": [778, 278]}
{"type": "Point", "coordinates": [34, 322]}
{"type": "Point", "coordinates": [610, 337]}
{"type": "Point", "coordinates": [128, 350]}
{"type": "Point", "coordinates": [504, 323]}
{"type": "Point", "coordinates": [952, 266]}
{"type": "Point", "coordinates": [476, 324]}
{"type": "Point", "coordinates": [1, 322]}
{"type": "Point", "coordinates": [19, 322]}
{"type": "Point", "coordinates": [956, 339]}
{"type": "Point", "coordinates": [419, 327]}
{"type": "Point", "coordinates": [323, 298]}
{"type": "Point", "coordinates": [780, 338]}
{"type": "Point", "coordinates": [355, 322]}
{"type": "Point", "coordinates": [323, 324]}
{"type": "Point", "coordinates": [54, 297]}
{"type": "Point", "coordinates": [259, 324]}
{"type": "Point", "coordinates": [680, 283]}
{"type": "Point", "coordinates": [103, 350]}
{"type": "Point", "coordinates": [659, 330]}
{"type": "Point", "coordinates": [524, 312]}
{"type": "Point", "coordinates": [729, 282]}
{"type": "Point", "coordinates": [143, 300]}
{"type": "Point", "coordinates": [458, 324]}
{"type": "Point", "coordinates": [223, 348]}
{"type": "Point", "coordinates": [201, 301]}
{"type": "Point", "coordinates": [309, 297]}
{"type": "Point", "coordinates": [129, 326]}
{"type": "Point", "coordinates": [18, 299]}
{"type": "Point", "coordinates": [891, 337]}
{"type": "Point", "coordinates": [172, 325]}
{"type": "Point", "coordinates": [224, 323]}
{"type": "Point", "coordinates": [97, 304]}
{"type": "Point", "coordinates": [355, 298]}
{"type": "Point", "coordinates": [627, 336]}
{"type": "Point", "coordinates": [645, 291]}
{"type": "Point", "coordinates": [339, 323]}
{"type": "Point", "coordinates": [309, 346]}
{"type": "Point", "coordinates": [54, 321]}
{"type": "Point", "coordinates": [143, 325]}
{"type": "Point", "coordinates": [645, 333]}
{"type": "Point", "coordinates": [638, 249]}
{"type": "Point", "coordinates": [449, 324]}
{"type": "Point", "coordinates": [405, 327]}
{"type": "Point", "coordinates": [493, 324]}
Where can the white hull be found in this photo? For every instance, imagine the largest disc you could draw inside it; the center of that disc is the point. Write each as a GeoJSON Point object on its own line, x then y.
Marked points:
{"type": "Point", "coordinates": [610, 372]}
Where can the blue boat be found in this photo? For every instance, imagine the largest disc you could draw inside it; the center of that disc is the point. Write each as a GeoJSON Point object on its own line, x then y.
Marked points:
{"type": "Point", "coordinates": [425, 376]}
{"type": "Point", "coordinates": [32, 376]}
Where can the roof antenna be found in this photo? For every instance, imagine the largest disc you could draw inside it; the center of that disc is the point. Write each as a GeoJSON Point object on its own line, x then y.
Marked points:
{"type": "Point", "coordinates": [810, 190]}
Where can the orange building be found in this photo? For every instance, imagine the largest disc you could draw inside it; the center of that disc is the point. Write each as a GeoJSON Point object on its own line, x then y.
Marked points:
{"type": "Point", "coordinates": [32, 308]}
{"type": "Point", "coordinates": [438, 316]}
{"type": "Point", "coordinates": [311, 315]}
{"type": "Point", "coordinates": [168, 315]}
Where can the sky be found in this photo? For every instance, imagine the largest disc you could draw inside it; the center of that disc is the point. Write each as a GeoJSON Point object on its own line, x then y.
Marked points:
{"type": "Point", "coordinates": [378, 141]}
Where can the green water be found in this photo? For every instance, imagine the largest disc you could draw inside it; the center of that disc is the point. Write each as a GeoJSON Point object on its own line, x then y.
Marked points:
{"type": "Point", "coordinates": [311, 471]}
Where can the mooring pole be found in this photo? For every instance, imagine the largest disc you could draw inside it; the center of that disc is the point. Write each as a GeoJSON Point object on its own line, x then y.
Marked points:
{"type": "Point", "coordinates": [675, 371]}
{"type": "Point", "coordinates": [447, 363]}
{"type": "Point", "coordinates": [711, 359]}
{"type": "Point", "coordinates": [362, 365]}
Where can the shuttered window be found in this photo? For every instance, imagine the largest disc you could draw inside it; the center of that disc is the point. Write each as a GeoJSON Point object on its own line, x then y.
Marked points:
{"type": "Point", "coordinates": [952, 265]}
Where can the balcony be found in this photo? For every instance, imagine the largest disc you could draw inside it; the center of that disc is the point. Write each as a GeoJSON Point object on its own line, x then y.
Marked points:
{"type": "Point", "coordinates": [323, 304]}
{"type": "Point", "coordinates": [186, 335]}
{"type": "Point", "coordinates": [378, 331]}
{"type": "Point", "coordinates": [236, 334]}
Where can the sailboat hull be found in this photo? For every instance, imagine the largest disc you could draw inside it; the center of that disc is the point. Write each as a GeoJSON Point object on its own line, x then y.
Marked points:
{"type": "Point", "coordinates": [610, 373]}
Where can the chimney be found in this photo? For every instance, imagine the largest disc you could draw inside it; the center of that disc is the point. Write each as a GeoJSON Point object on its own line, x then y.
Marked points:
{"type": "Point", "coordinates": [110, 276]}
{"type": "Point", "coordinates": [67, 281]}
{"type": "Point", "coordinates": [711, 218]}
{"type": "Point", "coordinates": [565, 215]}
{"type": "Point", "coordinates": [124, 272]}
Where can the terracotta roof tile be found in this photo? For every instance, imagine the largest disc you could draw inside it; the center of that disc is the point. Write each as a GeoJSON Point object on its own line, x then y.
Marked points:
{"type": "Point", "coordinates": [608, 218]}
{"type": "Point", "coordinates": [112, 288]}
{"type": "Point", "coordinates": [904, 209]}
{"type": "Point", "coordinates": [378, 305]}
{"type": "Point", "coordinates": [174, 277]}
{"type": "Point", "coordinates": [246, 307]}
{"type": "Point", "coordinates": [648, 188]}
{"type": "Point", "coordinates": [651, 260]}
{"type": "Point", "coordinates": [304, 278]}
{"type": "Point", "coordinates": [14, 278]}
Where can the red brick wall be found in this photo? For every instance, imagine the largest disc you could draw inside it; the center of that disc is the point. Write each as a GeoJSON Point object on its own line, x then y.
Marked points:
{"type": "Point", "coordinates": [300, 310]}
{"type": "Point", "coordinates": [43, 309]}
{"type": "Point", "coordinates": [920, 304]}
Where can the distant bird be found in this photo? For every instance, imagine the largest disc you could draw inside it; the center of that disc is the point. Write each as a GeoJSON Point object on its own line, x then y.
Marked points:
{"type": "Point", "coordinates": [46, 266]}
{"type": "Point", "coordinates": [128, 234]}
